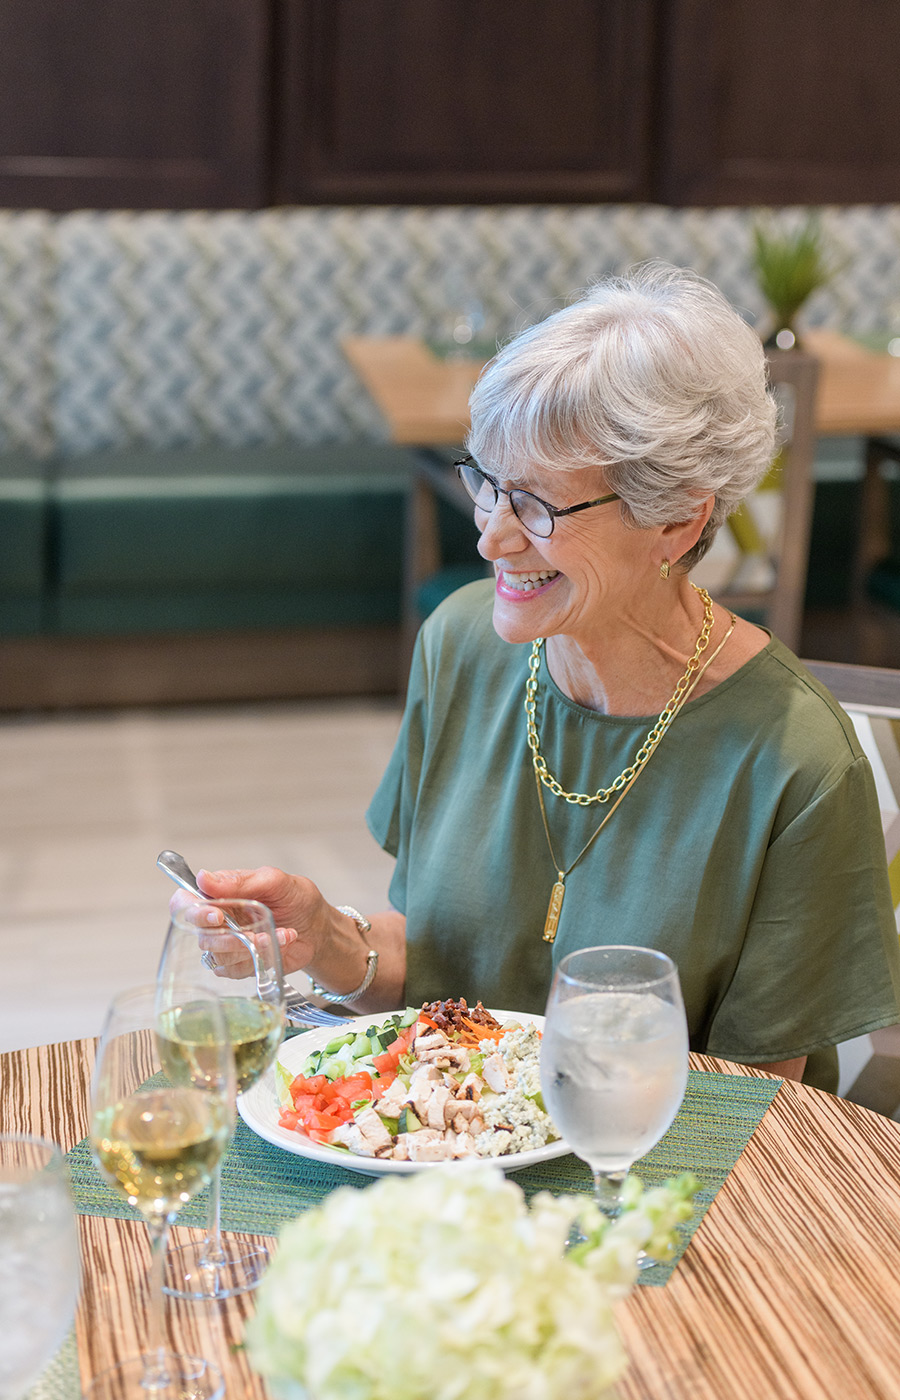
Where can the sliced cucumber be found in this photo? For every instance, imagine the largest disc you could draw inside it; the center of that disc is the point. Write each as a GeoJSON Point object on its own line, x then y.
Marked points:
{"type": "Point", "coordinates": [339, 1041]}
{"type": "Point", "coordinates": [408, 1122]}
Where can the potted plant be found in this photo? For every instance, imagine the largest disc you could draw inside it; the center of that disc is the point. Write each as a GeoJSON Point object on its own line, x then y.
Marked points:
{"type": "Point", "coordinates": [790, 265]}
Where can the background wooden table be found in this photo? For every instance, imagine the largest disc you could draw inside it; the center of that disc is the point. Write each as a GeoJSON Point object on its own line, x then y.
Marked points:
{"type": "Point", "coordinates": [786, 1292]}
{"type": "Point", "coordinates": [425, 400]}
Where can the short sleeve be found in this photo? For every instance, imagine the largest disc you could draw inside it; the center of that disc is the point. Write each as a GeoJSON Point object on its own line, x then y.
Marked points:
{"type": "Point", "coordinates": [819, 962]}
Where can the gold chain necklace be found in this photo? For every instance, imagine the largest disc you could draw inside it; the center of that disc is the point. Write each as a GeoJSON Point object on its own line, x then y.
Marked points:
{"type": "Point", "coordinates": [583, 799]}
{"type": "Point", "coordinates": [626, 779]}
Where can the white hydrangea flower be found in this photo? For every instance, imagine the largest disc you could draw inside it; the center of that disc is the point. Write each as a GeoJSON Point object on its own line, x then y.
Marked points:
{"type": "Point", "coordinates": [445, 1285]}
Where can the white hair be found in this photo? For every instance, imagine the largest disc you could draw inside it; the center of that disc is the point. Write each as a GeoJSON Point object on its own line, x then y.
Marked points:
{"type": "Point", "coordinates": [652, 376]}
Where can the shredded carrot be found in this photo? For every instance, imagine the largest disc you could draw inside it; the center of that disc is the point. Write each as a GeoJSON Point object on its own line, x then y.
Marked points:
{"type": "Point", "coordinates": [473, 1032]}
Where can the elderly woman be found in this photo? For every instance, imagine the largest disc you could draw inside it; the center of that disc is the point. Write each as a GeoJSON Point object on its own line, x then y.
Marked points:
{"type": "Point", "coordinates": [593, 751]}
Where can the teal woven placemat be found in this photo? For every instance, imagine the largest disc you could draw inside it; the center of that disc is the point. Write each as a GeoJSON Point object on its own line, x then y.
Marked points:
{"type": "Point", "coordinates": [263, 1186]}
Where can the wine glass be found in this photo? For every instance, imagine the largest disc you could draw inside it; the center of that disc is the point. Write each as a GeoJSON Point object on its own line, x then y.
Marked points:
{"type": "Point", "coordinates": [38, 1259]}
{"type": "Point", "coordinates": [162, 1113]}
{"type": "Point", "coordinates": [614, 1058]}
{"type": "Point", "coordinates": [216, 1267]}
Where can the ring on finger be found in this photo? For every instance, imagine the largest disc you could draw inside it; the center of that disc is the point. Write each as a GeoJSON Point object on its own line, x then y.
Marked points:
{"type": "Point", "coordinates": [210, 960]}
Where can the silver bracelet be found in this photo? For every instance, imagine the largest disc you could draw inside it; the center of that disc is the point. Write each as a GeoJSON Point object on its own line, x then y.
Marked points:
{"type": "Point", "coordinates": [364, 926]}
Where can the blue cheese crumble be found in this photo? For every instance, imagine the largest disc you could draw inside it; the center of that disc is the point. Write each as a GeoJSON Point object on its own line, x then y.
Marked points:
{"type": "Point", "coordinates": [514, 1120]}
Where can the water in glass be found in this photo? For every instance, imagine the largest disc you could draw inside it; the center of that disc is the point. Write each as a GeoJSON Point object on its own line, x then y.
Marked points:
{"type": "Point", "coordinates": [38, 1259]}
{"type": "Point", "coordinates": [614, 1058]}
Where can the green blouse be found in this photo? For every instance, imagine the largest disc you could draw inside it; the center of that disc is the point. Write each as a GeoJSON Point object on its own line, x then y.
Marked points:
{"type": "Point", "coordinates": [750, 849]}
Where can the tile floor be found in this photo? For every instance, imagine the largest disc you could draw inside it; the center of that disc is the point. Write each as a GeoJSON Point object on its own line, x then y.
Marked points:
{"type": "Point", "coordinates": [88, 801]}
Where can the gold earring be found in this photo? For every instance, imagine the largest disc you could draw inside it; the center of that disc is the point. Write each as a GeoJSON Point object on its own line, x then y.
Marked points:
{"type": "Point", "coordinates": [664, 569]}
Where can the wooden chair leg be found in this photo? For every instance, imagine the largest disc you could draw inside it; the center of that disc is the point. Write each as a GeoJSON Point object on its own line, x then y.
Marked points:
{"type": "Point", "coordinates": [874, 536]}
{"type": "Point", "coordinates": [421, 558]}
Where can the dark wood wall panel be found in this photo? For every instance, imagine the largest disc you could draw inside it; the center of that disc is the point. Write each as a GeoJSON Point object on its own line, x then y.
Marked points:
{"type": "Point", "coordinates": [133, 103]}
{"type": "Point", "coordinates": [246, 103]}
{"type": "Point", "coordinates": [429, 100]}
{"type": "Point", "coordinates": [780, 101]}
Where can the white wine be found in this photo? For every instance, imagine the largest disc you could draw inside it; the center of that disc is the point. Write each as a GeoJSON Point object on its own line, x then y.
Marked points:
{"type": "Point", "coordinates": [254, 1028]}
{"type": "Point", "coordinates": [160, 1147]}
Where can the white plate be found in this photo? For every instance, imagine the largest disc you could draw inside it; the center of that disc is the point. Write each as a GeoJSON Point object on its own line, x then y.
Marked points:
{"type": "Point", "coordinates": [259, 1109]}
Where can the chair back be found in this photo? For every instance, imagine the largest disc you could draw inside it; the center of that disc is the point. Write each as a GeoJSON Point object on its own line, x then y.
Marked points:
{"type": "Point", "coordinates": [758, 566]}
{"type": "Point", "coordinates": [871, 697]}
{"type": "Point", "coordinates": [870, 1064]}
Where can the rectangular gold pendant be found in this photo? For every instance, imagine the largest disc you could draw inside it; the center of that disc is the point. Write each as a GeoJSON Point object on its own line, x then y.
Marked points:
{"type": "Point", "coordinates": [551, 923]}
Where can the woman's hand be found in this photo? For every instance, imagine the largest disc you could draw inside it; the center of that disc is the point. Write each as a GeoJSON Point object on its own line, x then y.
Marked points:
{"type": "Point", "coordinates": [301, 914]}
{"type": "Point", "coordinates": [313, 935]}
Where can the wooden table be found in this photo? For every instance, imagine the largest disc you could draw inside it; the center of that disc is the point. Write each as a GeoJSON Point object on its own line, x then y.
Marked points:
{"type": "Point", "coordinates": [425, 399]}
{"type": "Point", "coordinates": [786, 1292]}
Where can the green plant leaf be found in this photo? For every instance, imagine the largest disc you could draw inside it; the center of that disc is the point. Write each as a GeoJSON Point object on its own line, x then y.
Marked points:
{"type": "Point", "coordinates": [791, 266]}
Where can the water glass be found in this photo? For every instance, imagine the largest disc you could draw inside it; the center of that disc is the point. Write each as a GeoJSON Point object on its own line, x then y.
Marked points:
{"type": "Point", "coordinates": [38, 1259]}
{"type": "Point", "coordinates": [614, 1058]}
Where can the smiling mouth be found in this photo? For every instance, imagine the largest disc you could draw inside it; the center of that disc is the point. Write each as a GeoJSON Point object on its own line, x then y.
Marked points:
{"type": "Point", "coordinates": [528, 582]}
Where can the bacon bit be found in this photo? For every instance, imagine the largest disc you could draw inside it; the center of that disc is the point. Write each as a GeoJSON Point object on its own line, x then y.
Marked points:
{"type": "Point", "coordinates": [466, 1025]}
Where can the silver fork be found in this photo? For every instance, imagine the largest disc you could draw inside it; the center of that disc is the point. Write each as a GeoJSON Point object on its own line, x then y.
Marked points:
{"type": "Point", "coordinates": [300, 1011]}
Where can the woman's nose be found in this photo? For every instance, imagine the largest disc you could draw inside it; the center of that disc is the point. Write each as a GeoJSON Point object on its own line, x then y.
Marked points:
{"type": "Point", "coordinates": [501, 531]}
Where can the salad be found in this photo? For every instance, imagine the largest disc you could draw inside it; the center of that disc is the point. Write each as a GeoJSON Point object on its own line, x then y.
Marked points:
{"type": "Point", "coordinates": [424, 1085]}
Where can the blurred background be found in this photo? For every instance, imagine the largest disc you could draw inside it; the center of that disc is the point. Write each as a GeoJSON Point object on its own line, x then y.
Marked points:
{"type": "Point", "coordinates": [252, 255]}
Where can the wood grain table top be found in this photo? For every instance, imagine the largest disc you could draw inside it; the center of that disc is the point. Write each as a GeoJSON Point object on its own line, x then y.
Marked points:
{"type": "Point", "coordinates": [425, 399]}
{"type": "Point", "coordinates": [786, 1292]}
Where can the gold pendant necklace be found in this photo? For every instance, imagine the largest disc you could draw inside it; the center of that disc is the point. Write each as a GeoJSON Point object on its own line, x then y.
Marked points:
{"type": "Point", "coordinates": [623, 784]}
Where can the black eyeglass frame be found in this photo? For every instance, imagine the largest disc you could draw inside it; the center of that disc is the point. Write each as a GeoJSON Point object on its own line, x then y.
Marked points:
{"type": "Point", "coordinates": [552, 511]}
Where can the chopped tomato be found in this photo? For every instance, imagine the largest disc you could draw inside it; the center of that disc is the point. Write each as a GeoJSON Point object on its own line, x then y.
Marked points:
{"type": "Point", "coordinates": [383, 1083]}
{"type": "Point", "coordinates": [361, 1079]}
{"type": "Point", "coordinates": [321, 1105]}
{"type": "Point", "coordinates": [317, 1135]}
{"type": "Point", "coordinates": [326, 1121]}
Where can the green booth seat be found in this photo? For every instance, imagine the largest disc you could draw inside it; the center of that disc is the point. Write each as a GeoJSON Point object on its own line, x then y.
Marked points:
{"type": "Point", "coordinates": [216, 538]}
{"type": "Point", "coordinates": [23, 543]}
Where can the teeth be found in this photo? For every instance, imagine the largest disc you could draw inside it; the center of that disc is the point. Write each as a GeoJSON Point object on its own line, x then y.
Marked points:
{"type": "Point", "coordinates": [526, 582]}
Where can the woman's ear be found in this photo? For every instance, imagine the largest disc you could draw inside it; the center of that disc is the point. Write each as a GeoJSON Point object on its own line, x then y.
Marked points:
{"type": "Point", "coordinates": [677, 539]}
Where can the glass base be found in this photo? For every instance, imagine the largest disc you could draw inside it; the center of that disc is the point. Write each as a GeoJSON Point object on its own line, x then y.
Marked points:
{"type": "Point", "coordinates": [139, 1378]}
{"type": "Point", "coordinates": [190, 1274]}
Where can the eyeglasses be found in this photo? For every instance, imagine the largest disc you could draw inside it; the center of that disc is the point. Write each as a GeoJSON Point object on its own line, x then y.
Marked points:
{"type": "Point", "coordinates": [538, 516]}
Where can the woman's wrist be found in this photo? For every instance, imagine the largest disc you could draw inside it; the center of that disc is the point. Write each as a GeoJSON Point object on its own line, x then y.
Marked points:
{"type": "Point", "coordinates": [341, 961]}
{"type": "Point", "coordinates": [336, 955]}
{"type": "Point", "coordinates": [364, 928]}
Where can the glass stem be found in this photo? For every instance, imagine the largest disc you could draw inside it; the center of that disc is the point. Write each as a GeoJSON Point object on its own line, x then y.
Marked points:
{"type": "Point", "coordinates": [213, 1253]}
{"type": "Point", "coordinates": [156, 1372]}
{"type": "Point", "coordinates": [608, 1191]}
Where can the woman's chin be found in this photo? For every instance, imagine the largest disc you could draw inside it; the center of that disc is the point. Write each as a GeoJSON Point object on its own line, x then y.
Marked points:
{"type": "Point", "coordinates": [518, 622]}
